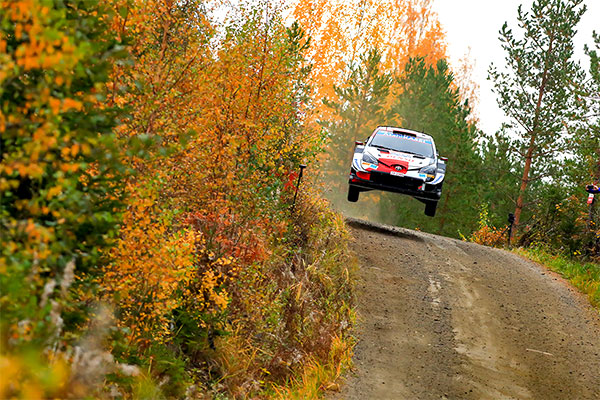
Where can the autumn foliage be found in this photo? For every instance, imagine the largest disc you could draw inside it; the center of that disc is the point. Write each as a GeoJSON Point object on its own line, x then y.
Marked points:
{"type": "Point", "coordinates": [152, 242]}
{"type": "Point", "coordinates": [148, 168]}
{"type": "Point", "coordinates": [343, 31]}
{"type": "Point", "coordinates": [60, 185]}
{"type": "Point", "coordinates": [151, 247]}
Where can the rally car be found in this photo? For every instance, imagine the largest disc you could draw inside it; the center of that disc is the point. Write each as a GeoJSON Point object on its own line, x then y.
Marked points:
{"type": "Point", "coordinates": [401, 161]}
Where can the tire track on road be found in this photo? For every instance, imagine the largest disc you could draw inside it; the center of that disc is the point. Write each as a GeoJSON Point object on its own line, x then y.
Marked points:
{"type": "Point", "coordinates": [441, 318]}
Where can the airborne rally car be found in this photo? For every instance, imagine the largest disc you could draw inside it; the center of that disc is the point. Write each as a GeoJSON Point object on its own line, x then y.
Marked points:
{"type": "Point", "coordinates": [401, 161]}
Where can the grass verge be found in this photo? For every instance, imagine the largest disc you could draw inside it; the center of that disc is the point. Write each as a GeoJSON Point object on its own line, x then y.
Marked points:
{"type": "Point", "coordinates": [318, 377]}
{"type": "Point", "coordinates": [584, 276]}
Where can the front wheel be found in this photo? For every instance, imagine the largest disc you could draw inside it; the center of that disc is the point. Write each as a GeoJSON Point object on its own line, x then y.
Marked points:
{"type": "Point", "coordinates": [430, 208]}
{"type": "Point", "coordinates": [353, 194]}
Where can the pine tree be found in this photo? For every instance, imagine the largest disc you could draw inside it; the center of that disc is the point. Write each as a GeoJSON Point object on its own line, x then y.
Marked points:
{"type": "Point", "coordinates": [538, 92]}
{"type": "Point", "coordinates": [359, 108]}
{"type": "Point", "coordinates": [500, 176]}
{"type": "Point", "coordinates": [429, 102]}
{"type": "Point", "coordinates": [585, 168]}
{"type": "Point", "coordinates": [589, 143]}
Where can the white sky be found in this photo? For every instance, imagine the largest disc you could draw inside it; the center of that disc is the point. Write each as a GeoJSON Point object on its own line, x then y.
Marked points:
{"type": "Point", "coordinates": [476, 23]}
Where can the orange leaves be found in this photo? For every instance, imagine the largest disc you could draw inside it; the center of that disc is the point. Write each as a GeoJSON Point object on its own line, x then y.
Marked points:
{"type": "Point", "coordinates": [54, 58]}
{"type": "Point", "coordinates": [341, 31]}
{"type": "Point", "coordinates": [74, 150]}
{"type": "Point", "coordinates": [17, 10]}
{"type": "Point", "coordinates": [204, 206]}
{"type": "Point", "coordinates": [41, 47]}
{"type": "Point", "coordinates": [53, 191]}
{"type": "Point", "coordinates": [62, 105]}
{"type": "Point", "coordinates": [489, 236]}
{"type": "Point", "coordinates": [223, 120]}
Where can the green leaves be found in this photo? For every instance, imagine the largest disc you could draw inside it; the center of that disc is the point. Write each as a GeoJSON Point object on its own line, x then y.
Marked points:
{"type": "Point", "coordinates": [60, 171]}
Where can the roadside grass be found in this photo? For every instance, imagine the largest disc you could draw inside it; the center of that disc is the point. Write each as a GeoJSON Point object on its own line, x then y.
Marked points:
{"type": "Point", "coordinates": [289, 333]}
{"type": "Point", "coordinates": [318, 377]}
{"type": "Point", "coordinates": [331, 271]}
{"type": "Point", "coordinates": [584, 276]}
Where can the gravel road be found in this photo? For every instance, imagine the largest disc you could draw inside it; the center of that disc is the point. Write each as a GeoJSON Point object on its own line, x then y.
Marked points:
{"type": "Point", "coordinates": [445, 319]}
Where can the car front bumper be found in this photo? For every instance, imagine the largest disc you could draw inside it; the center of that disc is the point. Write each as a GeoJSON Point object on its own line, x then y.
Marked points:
{"type": "Point", "coordinates": [414, 187]}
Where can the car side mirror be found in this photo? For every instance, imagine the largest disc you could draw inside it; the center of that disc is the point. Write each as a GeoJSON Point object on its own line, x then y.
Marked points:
{"type": "Point", "coordinates": [359, 143]}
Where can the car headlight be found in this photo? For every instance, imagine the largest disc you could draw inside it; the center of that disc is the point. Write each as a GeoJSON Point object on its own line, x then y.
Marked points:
{"type": "Point", "coordinates": [367, 158]}
{"type": "Point", "coordinates": [430, 171]}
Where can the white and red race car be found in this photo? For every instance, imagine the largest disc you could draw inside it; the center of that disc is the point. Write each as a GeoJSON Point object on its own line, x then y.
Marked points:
{"type": "Point", "coordinates": [401, 161]}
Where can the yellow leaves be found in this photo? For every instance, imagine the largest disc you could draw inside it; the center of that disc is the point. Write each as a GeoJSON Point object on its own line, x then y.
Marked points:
{"type": "Point", "coordinates": [72, 151]}
{"type": "Point", "coordinates": [209, 286]}
{"type": "Point", "coordinates": [234, 103]}
{"type": "Point", "coordinates": [7, 169]}
{"type": "Point", "coordinates": [53, 191]}
{"type": "Point", "coordinates": [26, 377]}
{"type": "Point", "coordinates": [86, 149]}
{"type": "Point", "coordinates": [40, 47]}
{"type": "Point", "coordinates": [69, 167]}
{"type": "Point", "coordinates": [151, 264]}
{"type": "Point", "coordinates": [32, 170]}
{"type": "Point", "coordinates": [36, 233]}
{"type": "Point", "coordinates": [224, 261]}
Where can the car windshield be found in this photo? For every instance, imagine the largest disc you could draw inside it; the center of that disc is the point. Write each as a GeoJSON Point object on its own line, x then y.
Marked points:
{"type": "Point", "coordinates": [403, 142]}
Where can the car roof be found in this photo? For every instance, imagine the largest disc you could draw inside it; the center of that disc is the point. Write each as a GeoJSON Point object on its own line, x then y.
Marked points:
{"type": "Point", "coordinates": [403, 130]}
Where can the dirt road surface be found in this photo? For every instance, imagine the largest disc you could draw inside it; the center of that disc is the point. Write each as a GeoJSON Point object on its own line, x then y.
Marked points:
{"type": "Point", "coordinates": [445, 319]}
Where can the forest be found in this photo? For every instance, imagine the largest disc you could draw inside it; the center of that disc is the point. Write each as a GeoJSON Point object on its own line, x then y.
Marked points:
{"type": "Point", "coordinates": [157, 239]}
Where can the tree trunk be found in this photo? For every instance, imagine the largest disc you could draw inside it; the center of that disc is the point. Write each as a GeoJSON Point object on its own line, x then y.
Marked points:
{"type": "Point", "coordinates": [534, 131]}
{"type": "Point", "coordinates": [524, 180]}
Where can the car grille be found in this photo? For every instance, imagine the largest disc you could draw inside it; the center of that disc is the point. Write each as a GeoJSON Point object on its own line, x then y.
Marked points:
{"type": "Point", "coordinates": [396, 181]}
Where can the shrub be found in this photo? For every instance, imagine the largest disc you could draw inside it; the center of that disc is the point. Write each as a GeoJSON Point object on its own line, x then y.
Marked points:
{"type": "Point", "coordinates": [60, 176]}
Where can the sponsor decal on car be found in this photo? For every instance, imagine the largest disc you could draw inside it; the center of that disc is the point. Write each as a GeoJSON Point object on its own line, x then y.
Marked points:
{"type": "Point", "coordinates": [404, 136]}
{"type": "Point", "coordinates": [396, 157]}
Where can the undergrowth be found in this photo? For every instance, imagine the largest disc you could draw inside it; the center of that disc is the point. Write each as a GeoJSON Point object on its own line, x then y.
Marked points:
{"type": "Point", "coordinates": [290, 317]}
{"type": "Point", "coordinates": [583, 275]}
{"type": "Point", "coordinates": [151, 247]}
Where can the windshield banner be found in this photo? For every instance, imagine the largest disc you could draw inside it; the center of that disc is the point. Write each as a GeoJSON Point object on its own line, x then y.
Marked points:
{"type": "Point", "coordinates": [403, 136]}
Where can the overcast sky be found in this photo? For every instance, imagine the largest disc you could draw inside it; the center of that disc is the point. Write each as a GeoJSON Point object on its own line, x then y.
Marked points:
{"type": "Point", "coordinates": [476, 23]}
